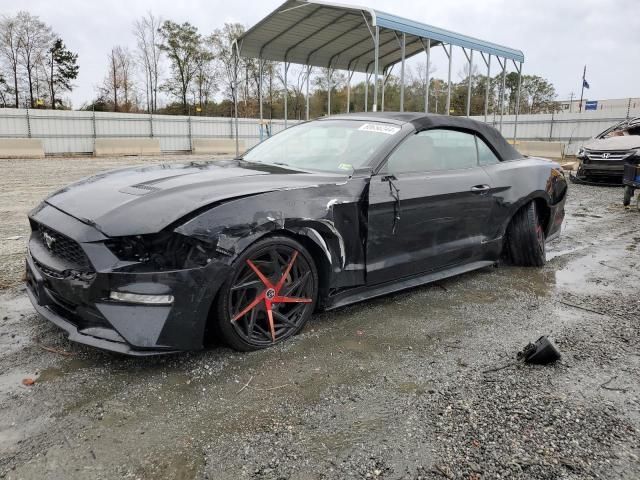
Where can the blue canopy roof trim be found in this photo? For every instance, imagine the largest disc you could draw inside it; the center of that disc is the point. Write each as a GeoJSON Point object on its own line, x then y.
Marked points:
{"type": "Point", "coordinates": [423, 30]}
{"type": "Point", "coordinates": [326, 34]}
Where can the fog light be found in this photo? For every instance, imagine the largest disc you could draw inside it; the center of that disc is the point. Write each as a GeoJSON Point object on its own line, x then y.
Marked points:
{"type": "Point", "coordinates": [138, 298]}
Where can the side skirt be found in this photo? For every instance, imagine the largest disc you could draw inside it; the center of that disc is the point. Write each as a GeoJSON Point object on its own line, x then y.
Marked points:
{"type": "Point", "coordinates": [364, 293]}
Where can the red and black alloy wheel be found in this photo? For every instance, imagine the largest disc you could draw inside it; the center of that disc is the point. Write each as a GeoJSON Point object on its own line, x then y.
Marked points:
{"type": "Point", "coordinates": [269, 296]}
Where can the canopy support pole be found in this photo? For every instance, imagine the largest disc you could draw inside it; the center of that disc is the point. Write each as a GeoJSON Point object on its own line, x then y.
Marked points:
{"type": "Point", "coordinates": [487, 62]}
{"type": "Point", "coordinates": [328, 91]}
{"type": "Point", "coordinates": [449, 54]}
{"type": "Point", "coordinates": [366, 92]}
{"type": "Point", "coordinates": [385, 78]}
{"type": "Point", "coordinates": [384, 81]}
{"type": "Point", "coordinates": [404, 46]}
{"type": "Point", "coordinates": [515, 126]}
{"type": "Point", "coordinates": [376, 54]}
{"type": "Point", "coordinates": [427, 50]}
{"type": "Point", "coordinates": [504, 81]}
{"type": "Point", "coordinates": [260, 97]}
{"type": "Point", "coordinates": [470, 60]}
{"type": "Point", "coordinates": [236, 61]}
{"type": "Point", "coordinates": [307, 95]}
{"type": "Point", "coordinates": [349, 77]}
{"type": "Point", "coordinates": [286, 95]}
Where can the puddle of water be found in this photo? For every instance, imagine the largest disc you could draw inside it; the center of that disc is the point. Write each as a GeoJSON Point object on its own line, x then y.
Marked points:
{"type": "Point", "coordinates": [605, 270]}
{"type": "Point", "coordinates": [13, 335]}
{"type": "Point", "coordinates": [69, 366]}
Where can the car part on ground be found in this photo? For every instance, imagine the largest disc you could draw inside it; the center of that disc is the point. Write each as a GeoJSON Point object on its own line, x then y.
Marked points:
{"type": "Point", "coordinates": [146, 260]}
{"type": "Point", "coordinates": [541, 352]}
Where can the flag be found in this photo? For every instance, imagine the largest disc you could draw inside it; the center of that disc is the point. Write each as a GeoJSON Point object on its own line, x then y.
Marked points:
{"type": "Point", "coordinates": [585, 84]}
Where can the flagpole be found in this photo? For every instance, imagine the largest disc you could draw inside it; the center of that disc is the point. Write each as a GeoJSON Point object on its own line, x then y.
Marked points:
{"type": "Point", "coordinates": [584, 74]}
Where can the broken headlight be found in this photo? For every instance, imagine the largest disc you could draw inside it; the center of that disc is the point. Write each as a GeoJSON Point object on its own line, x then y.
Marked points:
{"type": "Point", "coordinates": [162, 251]}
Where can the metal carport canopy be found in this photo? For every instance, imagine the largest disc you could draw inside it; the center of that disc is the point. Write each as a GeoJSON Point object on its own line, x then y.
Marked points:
{"type": "Point", "coordinates": [338, 36]}
{"type": "Point", "coordinates": [317, 33]}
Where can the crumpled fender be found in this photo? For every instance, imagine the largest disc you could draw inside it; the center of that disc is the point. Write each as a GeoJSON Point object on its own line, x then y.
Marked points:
{"type": "Point", "coordinates": [328, 215]}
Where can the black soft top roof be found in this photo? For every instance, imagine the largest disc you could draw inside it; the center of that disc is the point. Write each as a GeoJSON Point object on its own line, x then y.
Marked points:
{"type": "Point", "coordinates": [427, 121]}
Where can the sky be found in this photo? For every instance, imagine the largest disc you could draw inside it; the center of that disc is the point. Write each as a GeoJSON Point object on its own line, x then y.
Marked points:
{"type": "Point", "coordinates": [558, 37]}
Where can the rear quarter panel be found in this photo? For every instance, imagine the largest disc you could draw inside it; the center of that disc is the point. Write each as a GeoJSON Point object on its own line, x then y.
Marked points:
{"type": "Point", "coordinates": [516, 182]}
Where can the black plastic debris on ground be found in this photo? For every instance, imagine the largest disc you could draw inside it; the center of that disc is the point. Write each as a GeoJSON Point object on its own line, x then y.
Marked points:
{"type": "Point", "coordinates": [541, 352]}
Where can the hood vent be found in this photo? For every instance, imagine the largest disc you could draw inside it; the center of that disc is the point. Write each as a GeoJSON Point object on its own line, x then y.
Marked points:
{"type": "Point", "coordinates": [147, 187]}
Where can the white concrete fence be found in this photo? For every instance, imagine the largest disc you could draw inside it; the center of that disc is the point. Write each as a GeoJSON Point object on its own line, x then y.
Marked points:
{"type": "Point", "coordinates": [65, 132]}
{"type": "Point", "coordinates": [80, 132]}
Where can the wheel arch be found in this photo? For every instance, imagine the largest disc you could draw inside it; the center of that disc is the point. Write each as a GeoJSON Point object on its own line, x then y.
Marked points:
{"type": "Point", "coordinates": [543, 208]}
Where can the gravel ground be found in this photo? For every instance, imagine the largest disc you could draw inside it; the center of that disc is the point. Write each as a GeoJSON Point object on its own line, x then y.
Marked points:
{"type": "Point", "coordinates": [421, 384]}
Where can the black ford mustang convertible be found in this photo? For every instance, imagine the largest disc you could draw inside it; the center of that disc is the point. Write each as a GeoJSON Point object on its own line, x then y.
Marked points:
{"type": "Point", "coordinates": [155, 259]}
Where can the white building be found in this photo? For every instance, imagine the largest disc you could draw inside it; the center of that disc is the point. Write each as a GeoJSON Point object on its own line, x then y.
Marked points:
{"type": "Point", "coordinates": [615, 106]}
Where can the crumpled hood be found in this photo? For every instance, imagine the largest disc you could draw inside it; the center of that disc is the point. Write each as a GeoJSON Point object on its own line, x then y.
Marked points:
{"type": "Point", "coordinates": [146, 199]}
{"type": "Point", "coordinates": [626, 142]}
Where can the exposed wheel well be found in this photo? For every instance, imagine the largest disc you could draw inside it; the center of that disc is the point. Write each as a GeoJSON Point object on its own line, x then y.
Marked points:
{"type": "Point", "coordinates": [319, 258]}
{"type": "Point", "coordinates": [544, 212]}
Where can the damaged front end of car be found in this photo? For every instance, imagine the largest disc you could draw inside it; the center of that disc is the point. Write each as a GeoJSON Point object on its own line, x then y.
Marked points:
{"type": "Point", "coordinates": [152, 293]}
{"type": "Point", "coordinates": [136, 295]}
{"type": "Point", "coordinates": [602, 159]}
{"type": "Point", "coordinates": [603, 167]}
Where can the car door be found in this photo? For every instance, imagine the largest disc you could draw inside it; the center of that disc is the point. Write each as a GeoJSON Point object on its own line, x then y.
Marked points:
{"type": "Point", "coordinates": [428, 206]}
{"type": "Point", "coordinates": [502, 178]}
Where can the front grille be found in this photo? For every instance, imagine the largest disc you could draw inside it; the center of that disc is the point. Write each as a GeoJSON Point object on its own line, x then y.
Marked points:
{"type": "Point", "coordinates": [48, 271]}
{"type": "Point", "coordinates": [607, 155]}
{"type": "Point", "coordinates": [63, 247]}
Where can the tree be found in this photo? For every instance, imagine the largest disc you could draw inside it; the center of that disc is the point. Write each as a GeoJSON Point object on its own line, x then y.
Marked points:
{"type": "Point", "coordinates": [146, 32]}
{"type": "Point", "coordinates": [119, 86]}
{"type": "Point", "coordinates": [538, 94]}
{"type": "Point", "coordinates": [228, 65]}
{"type": "Point", "coordinates": [5, 91]}
{"type": "Point", "coordinates": [61, 69]}
{"type": "Point", "coordinates": [112, 80]}
{"type": "Point", "coordinates": [9, 50]}
{"type": "Point", "coordinates": [124, 61]}
{"type": "Point", "coordinates": [338, 79]}
{"type": "Point", "coordinates": [183, 47]}
{"type": "Point", "coordinates": [204, 78]}
{"type": "Point", "coordinates": [34, 39]}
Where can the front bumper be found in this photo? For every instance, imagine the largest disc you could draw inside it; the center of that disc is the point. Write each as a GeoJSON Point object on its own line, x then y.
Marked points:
{"type": "Point", "coordinates": [594, 168]}
{"type": "Point", "coordinates": [79, 302]}
{"type": "Point", "coordinates": [41, 301]}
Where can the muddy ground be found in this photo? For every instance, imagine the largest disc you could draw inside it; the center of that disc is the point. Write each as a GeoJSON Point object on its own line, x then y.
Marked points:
{"type": "Point", "coordinates": [421, 384]}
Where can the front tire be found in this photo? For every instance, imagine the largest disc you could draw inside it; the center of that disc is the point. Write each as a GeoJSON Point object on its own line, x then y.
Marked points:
{"type": "Point", "coordinates": [526, 238]}
{"type": "Point", "coordinates": [269, 296]}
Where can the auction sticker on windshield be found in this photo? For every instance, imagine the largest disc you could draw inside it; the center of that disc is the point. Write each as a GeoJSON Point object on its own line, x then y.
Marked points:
{"type": "Point", "coordinates": [379, 128]}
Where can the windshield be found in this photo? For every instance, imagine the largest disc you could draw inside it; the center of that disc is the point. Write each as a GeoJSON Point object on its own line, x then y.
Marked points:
{"type": "Point", "coordinates": [326, 145]}
{"type": "Point", "coordinates": [622, 129]}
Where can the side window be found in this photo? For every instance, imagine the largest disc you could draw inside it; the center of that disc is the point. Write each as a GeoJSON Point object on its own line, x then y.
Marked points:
{"type": "Point", "coordinates": [434, 150]}
{"type": "Point", "coordinates": [485, 154]}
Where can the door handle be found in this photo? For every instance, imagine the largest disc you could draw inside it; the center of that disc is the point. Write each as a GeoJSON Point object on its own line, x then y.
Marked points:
{"type": "Point", "coordinates": [480, 189]}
